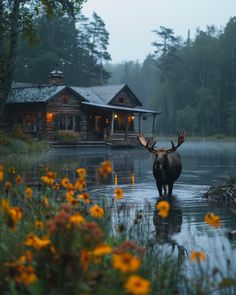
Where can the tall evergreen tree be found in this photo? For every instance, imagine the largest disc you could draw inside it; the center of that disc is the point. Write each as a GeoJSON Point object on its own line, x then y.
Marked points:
{"type": "Point", "coordinates": [17, 16]}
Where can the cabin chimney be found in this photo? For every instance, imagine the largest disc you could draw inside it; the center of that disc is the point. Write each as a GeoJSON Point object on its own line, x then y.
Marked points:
{"type": "Point", "coordinates": [56, 77]}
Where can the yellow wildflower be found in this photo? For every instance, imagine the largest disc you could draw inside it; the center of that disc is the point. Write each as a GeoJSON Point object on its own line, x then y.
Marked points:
{"type": "Point", "coordinates": [163, 208]}
{"type": "Point", "coordinates": [56, 186]}
{"type": "Point", "coordinates": [136, 285]}
{"type": "Point", "coordinates": [1, 173]}
{"type": "Point", "coordinates": [45, 202]}
{"type": "Point", "coordinates": [26, 257]}
{"type": "Point", "coordinates": [5, 204]}
{"type": "Point", "coordinates": [76, 219]}
{"type": "Point", "coordinates": [80, 184]}
{"type": "Point", "coordinates": [12, 170]}
{"type": "Point", "coordinates": [46, 180]}
{"type": "Point", "coordinates": [14, 215]}
{"type": "Point", "coordinates": [81, 172]}
{"type": "Point", "coordinates": [51, 175]}
{"type": "Point", "coordinates": [96, 211]}
{"type": "Point", "coordinates": [65, 181]}
{"type": "Point", "coordinates": [27, 276]}
{"type": "Point", "coordinates": [126, 262]}
{"type": "Point", "coordinates": [84, 197]}
{"type": "Point", "coordinates": [212, 219]}
{"type": "Point", "coordinates": [118, 193]}
{"type": "Point", "coordinates": [36, 242]}
{"type": "Point", "coordinates": [28, 192]}
{"type": "Point", "coordinates": [38, 225]}
{"type": "Point", "coordinates": [71, 199]}
{"type": "Point", "coordinates": [23, 274]}
{"type": "Point", "coordinates": [197, 256]}
{"type": "Point", "coordinates": [105, 168]}
{"type": "Point", "coordinates": [18, 180]}
{"type": "Point", "coordinates": [102, 250]}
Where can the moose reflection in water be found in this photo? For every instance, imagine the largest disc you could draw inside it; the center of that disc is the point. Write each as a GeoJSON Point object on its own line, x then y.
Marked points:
{"type": "Point", "coordinates": [165, 228]}
{"type": "Point", "coordinates": [167, 166]}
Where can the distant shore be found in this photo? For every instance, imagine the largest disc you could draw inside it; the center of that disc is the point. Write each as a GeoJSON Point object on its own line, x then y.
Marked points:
{"type": "Point", "coordinates": [216, 137]}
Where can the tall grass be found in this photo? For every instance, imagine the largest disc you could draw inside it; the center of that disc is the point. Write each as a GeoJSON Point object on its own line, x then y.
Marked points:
{"type": "Point", "coordinates": [56, 239]}
{"type": "Point", "coordinates": [17, 142]}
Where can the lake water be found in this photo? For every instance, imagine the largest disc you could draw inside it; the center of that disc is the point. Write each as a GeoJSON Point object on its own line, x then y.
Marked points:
{"type": "Point", "coordinates": [204, 164]}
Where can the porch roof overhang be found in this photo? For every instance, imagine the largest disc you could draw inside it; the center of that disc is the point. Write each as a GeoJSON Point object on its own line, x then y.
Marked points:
{"type": "Point", "coordinates": [117, 108]}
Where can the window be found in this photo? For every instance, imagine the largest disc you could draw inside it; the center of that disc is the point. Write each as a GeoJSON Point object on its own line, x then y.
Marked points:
{"type": "Point", "coordinates": [68, 122]}
{"type": "Point", "coordinates": [121, 100]}
{"type": "Point", "coordinates": [30, 122]}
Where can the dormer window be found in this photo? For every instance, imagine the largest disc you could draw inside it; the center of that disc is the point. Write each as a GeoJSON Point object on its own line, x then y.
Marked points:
{"type": "Point", "coordinates": [121, 100]}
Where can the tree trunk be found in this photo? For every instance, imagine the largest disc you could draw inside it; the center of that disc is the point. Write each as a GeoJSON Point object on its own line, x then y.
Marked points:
{"type": "Point", "coordinates": [10, 64]}
{"type": "Point", "coordinates": [1, 26]}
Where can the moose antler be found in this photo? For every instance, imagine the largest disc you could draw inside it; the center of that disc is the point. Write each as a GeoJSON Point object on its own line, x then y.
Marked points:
{"type": "Point", "coordinates": [181, 139]}
{"type": "Point", "coordinates": [151, 148]}
{"type": "Point", "coordinates": [145, 142]}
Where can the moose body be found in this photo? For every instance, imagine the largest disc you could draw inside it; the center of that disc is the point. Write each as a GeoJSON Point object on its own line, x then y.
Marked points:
{"type": "Point", "coordinates": [167, 166]}
{"type": "Point", "coordinates": [166, 170]}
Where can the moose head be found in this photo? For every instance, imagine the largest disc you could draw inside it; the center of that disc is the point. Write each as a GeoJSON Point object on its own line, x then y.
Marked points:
{"type": "Point", "coordinates": [167, 166]}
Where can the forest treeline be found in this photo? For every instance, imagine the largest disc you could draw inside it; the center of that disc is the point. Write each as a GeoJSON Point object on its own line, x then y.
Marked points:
{"type": "Point", "coordinates": [192, 81]}
{"type": "Point", "coordinates": [77, 46]}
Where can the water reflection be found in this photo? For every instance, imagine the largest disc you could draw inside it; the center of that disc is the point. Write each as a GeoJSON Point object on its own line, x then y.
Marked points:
{"type": "Point", "coordinates": [203, 164]}
{"type": "Point", "coordinates": [166, 227]}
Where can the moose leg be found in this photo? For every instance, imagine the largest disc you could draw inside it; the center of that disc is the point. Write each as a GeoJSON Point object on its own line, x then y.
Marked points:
{"type": "Point", "coordinates": [159, 187]}
{"type": "Point", "coordinates": [165, 189]}
{"type": "Point", "coordinates": [170, 188]}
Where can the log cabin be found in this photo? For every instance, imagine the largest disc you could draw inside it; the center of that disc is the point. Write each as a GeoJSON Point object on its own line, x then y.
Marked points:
{"type": "Point", "coordinates": [112, 114]}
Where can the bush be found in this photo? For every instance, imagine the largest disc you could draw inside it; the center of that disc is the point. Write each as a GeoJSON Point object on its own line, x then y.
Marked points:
{"type": "Point", "coordinates": [4, 140]}
{"type": "Point", "coordinates": [18, 132]}
{"type": "Point", "coordinates": [68, 136]}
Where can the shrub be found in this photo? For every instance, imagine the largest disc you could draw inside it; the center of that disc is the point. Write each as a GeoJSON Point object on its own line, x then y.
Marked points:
{"type": "Point", "coordinates": [68, 136]}
{"type": "Point", "coordinates": [18, 132]}
{"type": "Point", "coordinates": [4, 140]}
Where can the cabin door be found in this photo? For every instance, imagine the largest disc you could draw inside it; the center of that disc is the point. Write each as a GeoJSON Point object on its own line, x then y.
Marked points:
{"type": "Point", "coordinates": [98, 127]}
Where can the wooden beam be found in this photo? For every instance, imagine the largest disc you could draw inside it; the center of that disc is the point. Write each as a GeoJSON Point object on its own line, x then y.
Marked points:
{"type": "Point", "coordinates": [126, 127]}
{"type": "Point", "coordinates": [154, 123]}
{"type": "Point", "coordinates": [112, 125]}
{"type": "Point", "coordinates": [140, 127]}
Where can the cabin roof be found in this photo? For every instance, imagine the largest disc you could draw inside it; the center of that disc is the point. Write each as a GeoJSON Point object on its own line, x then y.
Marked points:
{"type": "Point", "coordinates": [113, 107]}
{"type": "Point", "coordinates": [101, 95]}
{"type": "Point", "coordinates": [33, 94]}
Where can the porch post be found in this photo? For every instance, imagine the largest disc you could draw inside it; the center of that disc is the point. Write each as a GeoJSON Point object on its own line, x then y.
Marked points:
{"type": "Point", "coordinates": [153, 123]}
{"type": "Point", "coordinates": [112, 125]}
{"type": "Point", "coordinates": [140, 129]}
{"type": "Point", "coordinates": [126, 127]}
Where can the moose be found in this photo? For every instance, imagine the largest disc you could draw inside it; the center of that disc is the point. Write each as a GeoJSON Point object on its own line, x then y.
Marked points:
{"type": "Point", "coordinates": [167, 166]}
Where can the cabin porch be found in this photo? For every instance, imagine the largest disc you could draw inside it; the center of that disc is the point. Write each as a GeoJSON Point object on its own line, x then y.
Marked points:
{"type": "Point", "coordinates": [118, 127]}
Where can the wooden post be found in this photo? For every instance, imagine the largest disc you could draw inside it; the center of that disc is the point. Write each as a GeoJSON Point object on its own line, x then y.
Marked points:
{"type": "Point", "coordinates": [140, 129]}
{"type": "Point", "coordinates": [126, 127]}
{"type": "Point", "coordinates": [153, 123]}
{"type": "Point", "coordinates": [112, 125]}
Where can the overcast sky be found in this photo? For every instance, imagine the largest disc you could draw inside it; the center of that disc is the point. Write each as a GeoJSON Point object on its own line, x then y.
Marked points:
{"type": "Point", "coordinates": [130, 22]}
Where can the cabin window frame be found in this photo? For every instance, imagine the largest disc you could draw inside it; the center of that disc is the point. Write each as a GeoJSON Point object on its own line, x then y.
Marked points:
{"type": "Point", "coordinates": [121, 100]}
{"type": "Point", "coordinates": [30, 128]}
{"type": "Point", "coordinates": [68, 122]}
